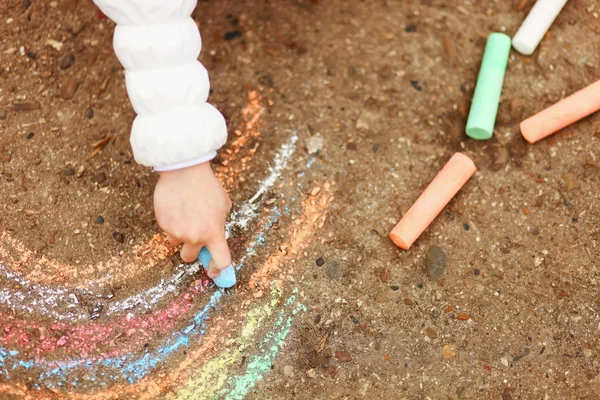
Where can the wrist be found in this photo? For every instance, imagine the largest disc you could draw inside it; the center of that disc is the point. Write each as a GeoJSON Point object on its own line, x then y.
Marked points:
{"type": "Point", "coordinates": [204, 158]}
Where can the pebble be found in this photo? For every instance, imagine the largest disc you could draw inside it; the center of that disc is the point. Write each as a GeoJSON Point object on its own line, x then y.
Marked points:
{"type": "Point", "coordinates": [266, 80]}
{"type": "Point", "coordinates": [119, 237]}
{"type": "Point", "coordinates": [311, 373]}
{"type": "Point", "coordinates": [343, 356]}
{"type": "Point", "coordinates": [2, 113]}
{"type": "Point", "coordinates": [381, 297]}
{"type": "Point", "coordinates": [232, 35]}
{"type": "Point", "coordinates": [99, 219]}
{"type": "Point", "coordinates": [314, 144]}
{"type": "Point", "coordinates": [535, 231]}
{"type": "Point", "coordinates": [448, 351]}
{"type": "Point", "coordinates": [506, 394]}
{"type": "Point", "coordinates": [383, 274]}
{"type": "Point", "coordinates": [435, 263]}
{"type": "Point", "coordinates": [69, 88]}
{"type": "Point", "coordinates": [431, 333]}
{"type": "Point", "coordinates": [320, 262]}
{"type": "Point", "coordinates": [67, 61]}
{"type": "Point", "coordinates": [30, 135]}
{"type": "Point", "coordinates": [288, 371]}
{"type": "Point", "coordinates": [89, 113]}
{"type": "Point", "coordinates": [31, 106]}
{"type": "Point", "coordinates": [99, 178]}
{"type": "Point", "coordinates": [394, 288]}
{"type": "Point", "coordinates": [466, 227]}
{"type": "Point", "coordinates": [416, 85]}
{"type": "Point", "coordinates": [411, 28]}
{"type": "Point", "coordinates": [69, 171]}
{"type": "Point", "coordinates": [121, 224]}
{"type": "Point", "coordinates": [95, 314]}
{"type": "Point", "coordinates": [366, 120]}
{"type": "Point", "coordinates": [80, 171]}
{"type": "Point", "coordinates": [409, 302]}
{"type": "Point", "coordinates": [333, 271]}
{"type": "Point", "coordinates": [476, 272]}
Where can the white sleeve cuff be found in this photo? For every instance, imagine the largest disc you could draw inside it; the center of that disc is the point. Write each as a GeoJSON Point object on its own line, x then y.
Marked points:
{"type": "Point", "coordinates": [188, 163]}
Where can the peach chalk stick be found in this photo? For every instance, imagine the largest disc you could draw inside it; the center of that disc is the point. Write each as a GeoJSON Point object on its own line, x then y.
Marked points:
{"type": "Point", "coordinates": [562, 114]}
{"type": "Point", "coordinates": [432, 201]}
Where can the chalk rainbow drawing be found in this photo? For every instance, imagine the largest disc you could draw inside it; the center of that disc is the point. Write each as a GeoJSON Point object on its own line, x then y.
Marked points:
{"type": "Point", "coordinates": [204, 344]}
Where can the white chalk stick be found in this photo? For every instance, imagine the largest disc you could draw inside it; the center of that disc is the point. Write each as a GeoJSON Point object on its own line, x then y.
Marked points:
{"type": "Point", "coordinates": [535, 26]}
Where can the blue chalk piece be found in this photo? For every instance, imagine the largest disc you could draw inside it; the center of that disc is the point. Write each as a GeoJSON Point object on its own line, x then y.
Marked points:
{"type": "Point", "coordinates": [227, 277]}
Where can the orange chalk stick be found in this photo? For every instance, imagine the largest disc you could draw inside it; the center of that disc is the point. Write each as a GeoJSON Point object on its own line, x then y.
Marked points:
{"type": "Point", "coordinates": [575, 107]}
{"type": "Point", "coordinates": [432, 201]}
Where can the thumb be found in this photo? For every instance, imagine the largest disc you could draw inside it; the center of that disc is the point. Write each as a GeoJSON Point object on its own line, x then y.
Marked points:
{"type": "Point", "coordinates": [221, 257]}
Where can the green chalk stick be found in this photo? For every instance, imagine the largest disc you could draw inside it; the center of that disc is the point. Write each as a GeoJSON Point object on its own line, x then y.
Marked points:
{"type": "Point", "coordinates": [484, 108]}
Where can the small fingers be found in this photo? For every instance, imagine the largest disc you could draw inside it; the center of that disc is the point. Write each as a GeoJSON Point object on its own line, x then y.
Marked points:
{"type": "Point", "coordinates": [189, 252]}
{"type": "Point", "coordinates": [173, 240]}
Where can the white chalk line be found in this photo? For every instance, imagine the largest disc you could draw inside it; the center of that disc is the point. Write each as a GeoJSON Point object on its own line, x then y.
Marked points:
{"type": "Point", "coordinates": [64, 304]}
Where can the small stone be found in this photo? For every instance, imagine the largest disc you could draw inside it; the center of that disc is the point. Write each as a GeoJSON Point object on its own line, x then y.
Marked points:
{"type": "Point", "coordinates": [320, 262]}
{"type": "Point", "coordinates": [89, 113]}
{"type": "Point", "coordinates": [96, 311]}
{"type": "Point", "coordinates": [311, 373]}
{"type": "Point", "coordinates": [30, 135]}
{"type": "Point", "coordinates": [384, 274]}
{"type": "Point", "coordinates": [506, 394]}
{"type": "Point", "coordinates": [232, 35]}
{"type": "Point", "coordinates": [333, 271]}
{"type": "Point", "coordinates": [80, 171]}
{"type": "Point", "coordinates": [463, 317]}
{"type": "Point", "coordinates": [62, 341]}
{"type": "Point", "coordinates": [31, 106]}
{"type": "Point", "coordinates": [314, 144]}
{"type": "Point", "coordinates": [67, 61]}
{"type": "Point", "coordinates": [2, 113]}
{"type": "Point", "coordinates": [119, 237]}
{"type": "Point", "coordinates": [45, 74]}
{"type": "Point", "coordinates": [570, 181]}
{"type": "Point", "coordinates": [435, 263]}
{"type": "Point", "coordinates": [411, 28]}
{"type": "Point", "coordinates": [381, 297]}
{"type": "Point", "coordinates": [394, 288]}
{"type": "Point", "coordinates": [431, 333]}
{"type": "Point", "coordinates": [120, 224]}
{"type": "Point", "coordinates": [416, 85]}
{"type": "Point", "coordinates": [535, 231]}
{"type": "Point", "coordinates": [69, 88]}
{"type": "Point", "coordinates": [288, 371]}
{"type": "Point", "coordinates": [409, 302]}
{"type": "Point", "coordinates": [476, 272]}
{"type": "Point", "coordinates": [99, 178]}
{"type": "Point", "coordinates": [448, 351]}
{"type": "Point", "coordinates": [99, 219]}
{"type": "Point", "coordinates": [466, 227]}
{"type": "Point", "coordinates": [68, 172]}
{"type": "Point", "coordinates": [343, 356]}
{"type": "Point", "coordinates": [366, 120]}
{"type": "Point", "coordinates": [266, 80]}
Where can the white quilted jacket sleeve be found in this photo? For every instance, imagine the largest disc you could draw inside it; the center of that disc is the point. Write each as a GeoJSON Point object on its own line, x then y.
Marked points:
{"type": "Point", "coordinates": [158, 44]}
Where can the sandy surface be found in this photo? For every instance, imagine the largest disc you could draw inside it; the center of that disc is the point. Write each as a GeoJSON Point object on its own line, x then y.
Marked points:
{"type": "Point", "coordinates": [327, 306]}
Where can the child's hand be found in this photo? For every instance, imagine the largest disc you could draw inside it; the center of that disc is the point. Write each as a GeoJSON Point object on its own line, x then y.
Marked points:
{"type": "Point", "coordinates": [192, 207]}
